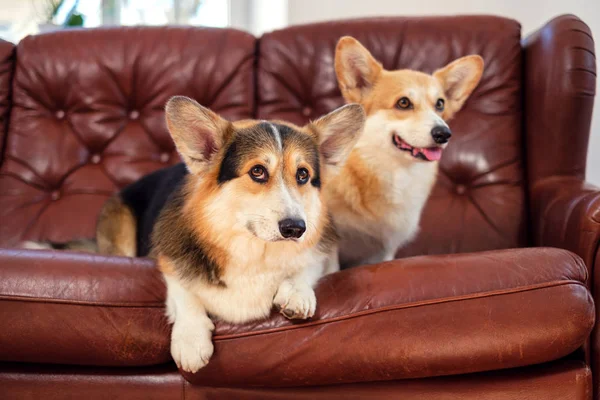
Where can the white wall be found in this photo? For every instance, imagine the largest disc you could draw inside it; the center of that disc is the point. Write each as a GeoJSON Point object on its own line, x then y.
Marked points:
{"type": "Point", "coordinates": [267, 15]}
{"type": "Point", "coordinates": [530, 13]}
{"type": "Point", "coordinates": [20, 18]}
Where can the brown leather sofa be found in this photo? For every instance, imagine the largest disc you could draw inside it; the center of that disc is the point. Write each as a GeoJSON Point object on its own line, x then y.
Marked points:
{"type": "Point", "coordinates": [493, 300]}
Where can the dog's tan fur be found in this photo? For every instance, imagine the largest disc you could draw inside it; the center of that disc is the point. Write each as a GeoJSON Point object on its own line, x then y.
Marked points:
{"type": "Point", "coordinates": [377, 199]}
{"type": "Point", "coordinates": [115, 233]}
{"type": "Point", "coordinates": [115, 229]}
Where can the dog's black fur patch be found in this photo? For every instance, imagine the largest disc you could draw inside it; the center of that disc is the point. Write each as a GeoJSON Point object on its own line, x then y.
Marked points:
{"type": "Point", "coordinates": [230, 164]}
{"type": "Point", "coordinates": [147, 197]}
{"type": "Point", "coordinates": [174, 238]}
{"type": "Point", "coordinates": [156, 201]}
{"type": "Point", "coordinates": [59, 246]}
{"type": "Point", "coordinates": [247, 142]}
{"type": "Point", "coordinates": [289, 136]}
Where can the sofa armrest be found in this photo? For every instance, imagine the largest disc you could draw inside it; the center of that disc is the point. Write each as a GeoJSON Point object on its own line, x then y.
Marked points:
{"type": "Point", "coordinates": [566, 214]}
{"type": "Point", "coordinates": [560, 84]}
{"type": "Point", "coordinates": [76, 308]}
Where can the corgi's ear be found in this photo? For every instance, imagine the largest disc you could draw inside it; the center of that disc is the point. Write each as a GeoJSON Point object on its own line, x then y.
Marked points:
{"type": "Point", "coordinates": [356, 69]}
{"type": "Point", "coordinates": [337, 133]}
{"type": "Point", "coordinates": [459, 79]}
{"type": "Point", "coordinates": [196, 131]}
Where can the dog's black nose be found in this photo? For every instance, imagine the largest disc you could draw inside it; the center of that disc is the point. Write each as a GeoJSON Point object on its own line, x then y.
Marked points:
{"type": "Point", "coordinates": [440, 134]}
{"type": "Point", "coordinates": [292, 228]}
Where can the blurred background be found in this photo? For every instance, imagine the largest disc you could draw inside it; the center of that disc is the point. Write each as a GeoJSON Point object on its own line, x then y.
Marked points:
{"type": "Point", "coordinates": [19, 18]}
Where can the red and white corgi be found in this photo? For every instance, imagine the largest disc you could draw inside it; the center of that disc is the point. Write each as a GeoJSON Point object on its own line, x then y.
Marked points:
{"type": "Point", "coordinates": [377, 199]}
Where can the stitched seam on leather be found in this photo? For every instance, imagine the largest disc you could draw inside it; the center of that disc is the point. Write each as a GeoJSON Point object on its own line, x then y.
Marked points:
{"type": "Point", "coordinates": [485, 217]}
{"type": "Point", "coordinates": [495, 168]}
{"type": "Point", "coordinates": [31, 224]}
{"type": "Point", "coordinates": [235, 73]}
{"type": "Point", "coordinates": [396, 307]}
{"type": "Point", "coordinates": [341, 317]}
{"type": "Point", "coordinates": [20, 178]}
{"type": "Point", "coordinates": [158, 304]}
{"type": "Point", "coordinates": [582, 31]}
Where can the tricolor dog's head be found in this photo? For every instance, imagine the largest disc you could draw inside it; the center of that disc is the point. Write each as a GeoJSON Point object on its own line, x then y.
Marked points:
{"type": "Point", "coordinates": [406, 110]}
{"type": "Point", "coordinates": [261, 179]}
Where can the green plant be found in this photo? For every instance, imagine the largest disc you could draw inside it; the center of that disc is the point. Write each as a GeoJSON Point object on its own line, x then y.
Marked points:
{"type": "Point", "coordinates": [74, 19]}
{"type": "Point", "coordinates": [52, 7]}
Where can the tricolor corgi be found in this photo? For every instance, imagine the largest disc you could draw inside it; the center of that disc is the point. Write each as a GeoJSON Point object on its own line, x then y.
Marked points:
{"type": "Point", "coordinates": [241, 226]}
{"type": "Point", "coordinates": [377, 199]}
{"type": "Point", "coordinates": [247, 229]}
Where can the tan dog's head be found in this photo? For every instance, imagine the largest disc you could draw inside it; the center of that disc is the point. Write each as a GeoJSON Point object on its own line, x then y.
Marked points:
{"type": "Point", "coordinates": [407, 110]}
{"type": "Point", "coordinates": [260, 179]}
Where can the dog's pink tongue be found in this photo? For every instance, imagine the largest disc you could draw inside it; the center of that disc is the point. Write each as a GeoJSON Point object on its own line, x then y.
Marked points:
{"type": "Point", "coordinates": [432, 153]}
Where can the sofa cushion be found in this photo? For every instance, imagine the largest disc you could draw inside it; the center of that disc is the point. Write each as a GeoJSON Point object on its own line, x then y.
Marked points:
{"type": "Point", "coordinates": [478, 202]}
{"type": "Point", "coordinates": [410, 318]}
{"type": "Point", "coordinates": [88, 116]}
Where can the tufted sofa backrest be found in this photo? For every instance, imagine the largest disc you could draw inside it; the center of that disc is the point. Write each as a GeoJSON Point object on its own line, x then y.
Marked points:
{"type": "Point", "coordinates": [478, 202]}
{"type": "Point", "coordinates": [87, 116]}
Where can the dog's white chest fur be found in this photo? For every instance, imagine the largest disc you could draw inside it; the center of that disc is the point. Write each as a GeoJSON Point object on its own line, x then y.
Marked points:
{"type": "Point", "coordinates": [392, 218]}
{"type": "Point", "coordinates": [251, 282]}
{"type": "Point", "coordinates": [254, 281]}
{"type": "Point", "coordinates": [246, 296]}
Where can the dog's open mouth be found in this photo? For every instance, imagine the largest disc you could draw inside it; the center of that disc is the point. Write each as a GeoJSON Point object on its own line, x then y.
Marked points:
{"type": "Point", "coordinates": [425, 153]}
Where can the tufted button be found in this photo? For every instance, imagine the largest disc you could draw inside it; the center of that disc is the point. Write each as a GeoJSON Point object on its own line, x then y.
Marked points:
{"type": "Point", "coordinates": [460, 189]}
{"type": "Point", "coordinates": [60, 114]}
{"type": "Point", "coordinates": [164, 157]}
{"type": "Point", "coordinates": [55, 195]}
{"type": "Point", "coordinates": [134, 114]}
{"type": "Point", "coordinates": [307, 111]}
{"type": "Point", "coordinates": [95, 159]}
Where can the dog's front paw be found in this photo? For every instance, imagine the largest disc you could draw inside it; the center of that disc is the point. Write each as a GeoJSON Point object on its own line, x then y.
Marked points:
{"type": "Point", "coordinates": [191, 348]}
{"type": "Point", "coordinates": [296, 303]}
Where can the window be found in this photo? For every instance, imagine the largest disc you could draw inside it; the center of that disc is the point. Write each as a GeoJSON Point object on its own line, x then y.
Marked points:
{"type": "Point", "coordinates": [163, 12]}
{"type": "Point", "coordinates": [25, 17]}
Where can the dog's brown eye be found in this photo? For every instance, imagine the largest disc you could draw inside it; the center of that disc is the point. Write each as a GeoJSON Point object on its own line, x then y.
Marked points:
{"type": "Point", "coordinates": [259, 174]}
{"type": "Point", "coordinates": [404, 103]}
{"type": "Point", "coordinates": [439, 105]}
{"type": "Point", "coordinates": [302, 176]}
